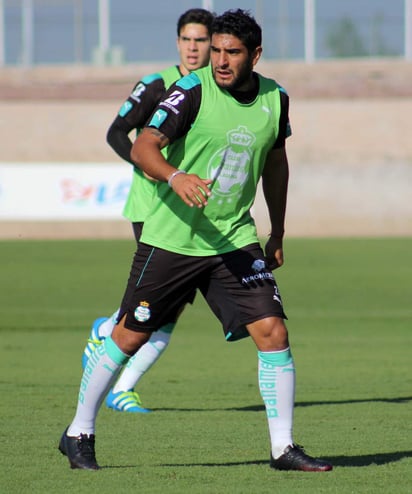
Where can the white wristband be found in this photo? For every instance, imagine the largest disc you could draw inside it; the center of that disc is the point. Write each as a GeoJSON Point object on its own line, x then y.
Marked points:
{"type": "Point", "coordinates": [172, 176]}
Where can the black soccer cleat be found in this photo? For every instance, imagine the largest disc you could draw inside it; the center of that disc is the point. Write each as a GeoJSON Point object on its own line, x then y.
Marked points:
{"type": "Point", "coordinates": [294, 458]}
{"type": "Point", "coordinates": [79, 450]}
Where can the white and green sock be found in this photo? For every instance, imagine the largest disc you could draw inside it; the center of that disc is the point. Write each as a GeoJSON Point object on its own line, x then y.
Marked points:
{"type": "Point", "coordinates": [106, 328]}
{"type": "Point", "coordinates": [101, 370]}
{"type": "Point", "coordinates": [277, 388]}
{"type": "Point", "coordinates": [141, 361]}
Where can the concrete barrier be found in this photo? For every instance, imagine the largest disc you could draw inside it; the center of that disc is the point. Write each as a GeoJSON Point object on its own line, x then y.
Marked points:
{"type": "Point", "coordinates": [350, 154]}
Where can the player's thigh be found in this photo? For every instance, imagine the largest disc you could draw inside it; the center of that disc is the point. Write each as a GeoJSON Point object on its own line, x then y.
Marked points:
{"type": "Point", "coordinates": [243, 282]}
{"type": "Point", "coordinates": [162, 283]}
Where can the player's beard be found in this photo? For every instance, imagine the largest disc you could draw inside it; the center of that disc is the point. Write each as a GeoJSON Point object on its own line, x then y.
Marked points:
{"type": "Point", "coordinates": [243, 76]}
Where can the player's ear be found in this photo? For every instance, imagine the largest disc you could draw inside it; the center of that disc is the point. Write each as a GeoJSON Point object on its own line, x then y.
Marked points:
{"type": "Point", "coordinates": [256, 54]}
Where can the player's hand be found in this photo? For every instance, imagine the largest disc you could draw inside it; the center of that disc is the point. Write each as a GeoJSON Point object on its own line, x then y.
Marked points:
{"type": "Point", "coordinates": [193, 190]}
{"type": "Point", "coordinates": [274, 252]}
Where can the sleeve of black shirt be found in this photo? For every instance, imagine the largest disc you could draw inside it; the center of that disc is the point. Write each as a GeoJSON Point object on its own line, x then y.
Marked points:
{"type": "Point", "coordinates": [182, 107]}
{"type": "Point", "coordinates": [141, 101]}
{"type": "Point", "coordinates": [284, 125]}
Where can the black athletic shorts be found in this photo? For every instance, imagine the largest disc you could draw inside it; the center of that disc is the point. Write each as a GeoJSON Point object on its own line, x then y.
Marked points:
{"type": "Point", "coordinates": [238, 286]}
{"type": "Point", "coordinates": [133, 276]}
{"type": "Point", "coordinates": [137, 230]}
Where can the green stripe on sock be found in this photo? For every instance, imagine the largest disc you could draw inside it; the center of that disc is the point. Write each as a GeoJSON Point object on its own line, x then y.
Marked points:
{"type": "Point", "coordinates": [276, 358]}
{"type": "Point", "coordinates": [114, 352]}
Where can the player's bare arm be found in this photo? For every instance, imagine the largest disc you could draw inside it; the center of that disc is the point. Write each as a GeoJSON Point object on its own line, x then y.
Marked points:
{"type": "Point", "coordinates": [145, 152]}
{"type": "Point", "coordinates": [275, 179]}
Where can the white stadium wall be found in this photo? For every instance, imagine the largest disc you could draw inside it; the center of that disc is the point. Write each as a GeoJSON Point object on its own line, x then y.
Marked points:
{"type": "Point", "coordinates": [86, 200]}
{"type": "Point", "coordinates": [350, 153]}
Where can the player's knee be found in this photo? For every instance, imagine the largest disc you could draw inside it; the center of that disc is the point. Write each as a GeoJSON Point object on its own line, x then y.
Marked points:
{"type": "Point", "coordinates": [270, 334]}
{"type": "Point", "coordinates": [128, 341]}
{"type": "Point", "coordinates": [279, 332]}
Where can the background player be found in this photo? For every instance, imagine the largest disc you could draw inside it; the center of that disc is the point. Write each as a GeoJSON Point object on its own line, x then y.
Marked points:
{"type": "Point", "coordinates": [193, 46]}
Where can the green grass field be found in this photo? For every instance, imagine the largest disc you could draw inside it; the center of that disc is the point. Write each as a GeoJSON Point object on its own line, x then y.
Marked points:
{"type": "Point", "coordinates": [350, 316]}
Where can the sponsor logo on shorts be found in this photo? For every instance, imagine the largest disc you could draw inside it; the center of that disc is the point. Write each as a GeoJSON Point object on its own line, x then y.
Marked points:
{"type": "Point", "coordinates": [142, 312]}
{"type": "Point", "coordinates": [258, 267]}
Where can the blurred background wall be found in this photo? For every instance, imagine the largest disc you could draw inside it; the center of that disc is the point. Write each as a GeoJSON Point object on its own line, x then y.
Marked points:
{"type": "Point", "coordinates": [67, 65]}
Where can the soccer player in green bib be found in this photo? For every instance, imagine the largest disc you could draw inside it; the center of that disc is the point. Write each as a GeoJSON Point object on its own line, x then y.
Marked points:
{"type": "Point", "coordinates": [225, 128]}
{"type": "Point", "coordinates": [193, 45]}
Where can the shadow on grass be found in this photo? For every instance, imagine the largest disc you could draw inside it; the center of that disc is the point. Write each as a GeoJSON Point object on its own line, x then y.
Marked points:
{"type": "Point", "coordinates": [400, 400]}
{"type": "Point", "coordinates": [337, 461]}
{"type": "Point", "coordinates": [260, 408]}
{"type": "Point", "coordinates": [367, 460]}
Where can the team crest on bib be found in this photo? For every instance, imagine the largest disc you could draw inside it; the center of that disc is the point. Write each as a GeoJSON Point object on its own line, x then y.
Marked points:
{"type": "Point", "coordinates": [229, 166]}
{"type": "Point", "coordinates": [142, 312]}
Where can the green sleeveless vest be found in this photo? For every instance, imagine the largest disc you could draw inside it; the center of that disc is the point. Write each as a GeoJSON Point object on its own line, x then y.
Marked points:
{"type": "Point", "coordinates": [228, 143]}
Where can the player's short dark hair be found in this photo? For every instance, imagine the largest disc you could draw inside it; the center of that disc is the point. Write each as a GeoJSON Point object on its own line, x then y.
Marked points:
{"type": "Point", "coordinates": [196, 16]}
{"type": "Point", "coordinates": [241, 24]}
